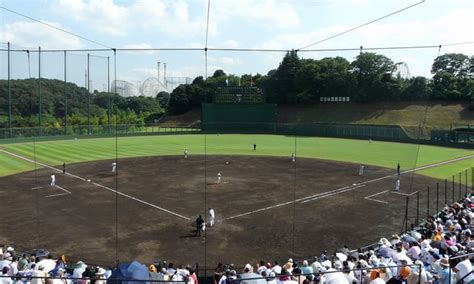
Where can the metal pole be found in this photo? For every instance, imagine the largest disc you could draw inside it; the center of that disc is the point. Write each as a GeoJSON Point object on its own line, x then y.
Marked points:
{"type": "Point", "coordinates": [9, 96]}
{"type": "Point", "coordinates": [445, 191]}
{"type": "Point", "coordinates": [466, 173]}
{"type": "Point", "coordinates": [460, 185]}
{"type": "Point", "coordinates": [158, 65]}
{"type": "Point", "coordinates": [417, 208]}
{"type": "Point", "coordinates": [88, 96]}
{"type": "Point", "coordinates": [428, 203]}
{"type": "Point", "coordinates": [164, 76]}
{"type": "Point", "coordinates": [437, 196]}
{"type": "Point", "coordinates": [108, 93]}
{"type": "Point", "coordinates": [116, 160]}
{"type": "Point", "coordinates": [40, 109]}
{"type": "Point", "coordinates": [65, 94]}
{"type": "Point", "coordinates": [453, 189]}
{"type": "Point", "coordinates": [406, 213]}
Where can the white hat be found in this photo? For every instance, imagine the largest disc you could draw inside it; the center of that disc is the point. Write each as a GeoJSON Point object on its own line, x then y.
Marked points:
{"type": "Point", "coordinates": [10, 249]}
{"type": "Point", "coordinates": [100, 271]}
{"type": "Point", "coordinates": [248, 266]}
{"type": "Point", "coordinates": [290, 260]}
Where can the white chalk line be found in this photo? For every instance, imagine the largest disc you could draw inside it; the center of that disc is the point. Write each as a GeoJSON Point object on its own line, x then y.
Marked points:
{"type": "Point", "coordinates": [382, 192]}
{"type": "Point", "coordinates": [376, 200]}
{"type": "Point", "coordinates": [333, 193]}
{"type": "Point", "coordinates": [98, 185]}
{"type": "Point", "coordinates": [342, 190]}
{"type": "Point", "coordinates": [303, 200]}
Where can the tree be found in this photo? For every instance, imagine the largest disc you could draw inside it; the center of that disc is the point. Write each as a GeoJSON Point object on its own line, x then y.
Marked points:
{"type": "Point", "coordinates": [179, 101]}
{"type": "Point", "coordinates": [370, 68]}
{"type": "Point", "coordinates": [456, 64]}
{"type": "Point", "coordinates": [285, 78]}
{"type": "Point", "coordinates": [164, 98]}
{"type": "Point", "coordinates": [219, 73]}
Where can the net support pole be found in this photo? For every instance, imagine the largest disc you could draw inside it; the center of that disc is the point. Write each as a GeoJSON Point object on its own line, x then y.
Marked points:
{"type": "Point", "coordinates": [108, 93]}
{"type": "Point", "coordinates": [460, 185]}
{"type": "Point", "coordinates": [88, 95]}
{"type": "Point", "coordinates": [40, 107]}
{"type": "Point", "coordinates": [65, 93]}
{"type": "Point", "coordinates": [10, 130]}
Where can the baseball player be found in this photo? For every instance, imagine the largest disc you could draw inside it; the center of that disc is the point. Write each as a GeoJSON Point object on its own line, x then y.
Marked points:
{"type": "Point", "coordinates": [254, 146]}
{"type": "Point", "coordinates": [212, 217]}
{"type": "Point", "coordinates": [185, 153]}
{"type": "Point", "coordinates": [219, 176]}
{"type": "Point", "coordinates": [397, 185]}
{"type": "Point", "coordinates": [64, 168]}
{"type": "Point", "coordinates": [293, 157]}
{"type": "Point", "coordinates": [53, 180]}
{"type": "Point", "coordinates": [114, 166]}
{"type": "Point", "coordinates": [361, 170]}
{"type": "Point", "coordinates": [398, 169]}
{"type": "Point", "coordinates": [200, 225]}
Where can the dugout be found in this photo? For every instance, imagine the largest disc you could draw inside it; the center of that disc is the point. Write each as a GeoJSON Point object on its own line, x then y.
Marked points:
{"type": "Point", "coordinates": [458, 135]}
{"type": "Point", "coordinates": [230, 117]}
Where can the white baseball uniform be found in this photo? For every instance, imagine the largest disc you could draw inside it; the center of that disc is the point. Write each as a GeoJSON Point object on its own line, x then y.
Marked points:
{"type": "Point", "coordinates": [53, 180]}
{"type": "Point", "coordinates": [212, 217]}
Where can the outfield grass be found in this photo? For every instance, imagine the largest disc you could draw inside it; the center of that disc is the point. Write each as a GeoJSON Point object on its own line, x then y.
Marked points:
{"type": "Point", "coordinates": [384, 154]}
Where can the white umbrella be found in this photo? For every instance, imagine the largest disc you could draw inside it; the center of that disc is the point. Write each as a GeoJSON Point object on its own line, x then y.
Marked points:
{"type": "Point", "coordinates": [48, 264]}
{"type": "Point", "coordinates": [341, 256]}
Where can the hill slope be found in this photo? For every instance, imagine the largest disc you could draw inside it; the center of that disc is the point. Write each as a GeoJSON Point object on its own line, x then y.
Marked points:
{"type": "Point", "coordinates": [409, 115]}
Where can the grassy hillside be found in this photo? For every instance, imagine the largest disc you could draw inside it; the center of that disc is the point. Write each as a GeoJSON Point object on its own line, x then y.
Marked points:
{"type": "Point", "coordinates": [439, 115]}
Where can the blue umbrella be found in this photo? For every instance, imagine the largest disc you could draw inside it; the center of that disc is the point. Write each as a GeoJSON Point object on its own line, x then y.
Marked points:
{"type": "Point", "coordinates": [128, 272]}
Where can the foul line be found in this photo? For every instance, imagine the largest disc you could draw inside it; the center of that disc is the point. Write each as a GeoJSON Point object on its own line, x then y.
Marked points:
{"type": "Point", "coordinates": [98, 185]}
{"type": "Point", "coordinates": [303, 200]}
{"type": "Point", "coordinates": [334, 192]}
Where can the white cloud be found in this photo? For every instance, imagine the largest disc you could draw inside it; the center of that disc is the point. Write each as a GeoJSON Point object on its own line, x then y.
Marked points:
{"type": "Point", "coordinates": [140, 46]}
{"type": "Point", "coordinates": [107, 17]}
{"type": "Point", "coordinates": [268, 13]}
{"type": "Point", "coordinates": [225, 61]}
{"type": "Point", "coordinates": [28, 34]}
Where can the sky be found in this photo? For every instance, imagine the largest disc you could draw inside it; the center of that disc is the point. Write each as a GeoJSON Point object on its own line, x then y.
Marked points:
{"type": "Point", "coordinates": [265, 24]}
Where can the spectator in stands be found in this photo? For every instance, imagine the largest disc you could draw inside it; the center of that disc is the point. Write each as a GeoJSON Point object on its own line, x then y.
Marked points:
{"type": "Point", "coordinates": [404, 270]}
{"type": "Point", "coordinates": [413, 251]}
{"type": "Point", "coordinates": [306, 269]}
{"type": "Point", "coordinates": [443, 277]}
{"type": "Point", "coordinates": [217, 273]}
{"type": "Point", "coordinates": [276, 267]}
{"type": "Point", "coordinates": [5, 277]}
{"type": "Point", "coordinates": [463, 271]}
{"type": "Point", "coordinates": [39, 275]}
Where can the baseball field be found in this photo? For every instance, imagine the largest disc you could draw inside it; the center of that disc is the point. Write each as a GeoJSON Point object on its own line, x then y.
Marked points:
{"type": "Point", "coordinates": [266, 205]}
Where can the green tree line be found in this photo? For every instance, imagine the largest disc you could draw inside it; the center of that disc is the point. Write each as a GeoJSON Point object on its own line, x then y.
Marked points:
{"type": "Point", "coordinates": [370, 77]}
{"type": "Point", "coordinates": [104, 107]}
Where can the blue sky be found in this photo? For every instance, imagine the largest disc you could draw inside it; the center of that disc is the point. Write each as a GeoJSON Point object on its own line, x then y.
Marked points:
{"type": "Point", "coordinates": [273, 24]}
